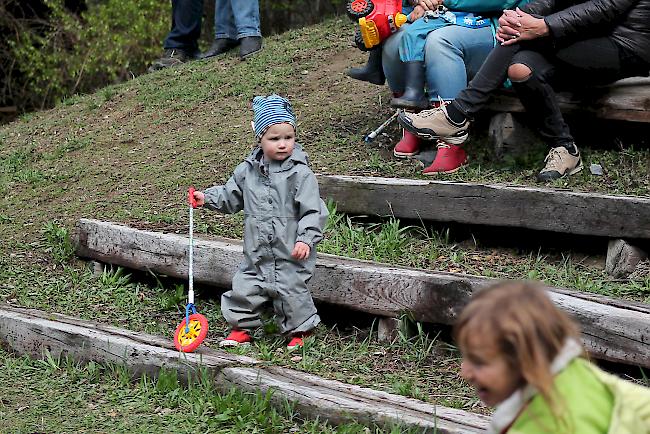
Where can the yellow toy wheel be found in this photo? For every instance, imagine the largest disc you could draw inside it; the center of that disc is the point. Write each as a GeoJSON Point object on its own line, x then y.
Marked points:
{"type": "Point", "coordinates": [188, 340]}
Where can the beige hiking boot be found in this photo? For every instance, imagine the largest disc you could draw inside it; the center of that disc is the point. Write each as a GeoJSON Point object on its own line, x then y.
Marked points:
{"type": "Point", "coordinates": [434, 124]}
{"type": "Point", "coordinates": [559, 163]}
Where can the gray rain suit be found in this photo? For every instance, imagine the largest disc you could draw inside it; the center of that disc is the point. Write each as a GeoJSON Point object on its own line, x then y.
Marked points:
{"type": "Point", "coordinates": [280, 207]}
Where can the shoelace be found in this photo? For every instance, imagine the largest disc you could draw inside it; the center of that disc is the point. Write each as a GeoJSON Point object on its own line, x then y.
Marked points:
{"type": "Point", "coordinates": [442, 144]}
{"type": "Point", "coordinates": [554, 159]}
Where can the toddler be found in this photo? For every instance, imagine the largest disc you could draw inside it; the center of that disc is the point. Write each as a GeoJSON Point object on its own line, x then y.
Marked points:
{"type": "Point", "coordinates": [523, 355]}
{"type": "Point", "coordinates": [284, 217]}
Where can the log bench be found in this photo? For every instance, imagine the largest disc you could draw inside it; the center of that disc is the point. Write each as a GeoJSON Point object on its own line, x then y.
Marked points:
{"type": "Point", "coordinates": [624, 100]}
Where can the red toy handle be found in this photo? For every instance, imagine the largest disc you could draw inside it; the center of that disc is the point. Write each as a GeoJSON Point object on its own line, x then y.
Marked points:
{"type": "Point", "coordinates": [190, 197]}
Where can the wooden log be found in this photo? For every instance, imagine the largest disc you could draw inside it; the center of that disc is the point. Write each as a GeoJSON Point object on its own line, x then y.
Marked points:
{"type": "Point", "coordinates": [492, 204]}
{"type": "Point", "coordinates": [613, 329]}
{"type": "Point", "coordinates": [625, 100]}
{"type": "Point", "coordinates": [338, 403]}
{"type": "Point", "coordinates": [32, 332]}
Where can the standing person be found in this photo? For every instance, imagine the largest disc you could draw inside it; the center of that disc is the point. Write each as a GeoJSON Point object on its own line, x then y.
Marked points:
{"type": "Point", "coordinates": [452, 55]}
{"type": "Point", "coordinates": [523, 356]}
{"type": "Point", "coordinates": [236, 23]}
{"type": "Point", "coordinates": [284, 218]}
{"type": "Point", "coordinates": [545, 44]}
{"type": "Point", "coordinates": [181, 44]}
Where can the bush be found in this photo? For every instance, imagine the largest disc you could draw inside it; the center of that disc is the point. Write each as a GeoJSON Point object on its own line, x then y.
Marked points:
{"type": "Point", "coordinates": [64, 52]}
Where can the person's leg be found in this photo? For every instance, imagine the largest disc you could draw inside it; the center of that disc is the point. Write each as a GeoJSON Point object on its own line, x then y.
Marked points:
{"type": "Point", "coordinates": [186, 26]}
{"type": "Point", "coordinates": [225, 32]}
{"type": "Point", "coordinates": [181, 43]}
{"type": "Point", "coordinates": [372, 71]}
{"type": "Point", "coordinates": [392, 65]}
{"type": "Point", "coordinates": [242, 305]}
{"type": "Point", "coordinates": [452, 54]}
{"type": "Point", "coordinates": [411, 51]}
{"type": "Point", "coordinates": [246, 15]}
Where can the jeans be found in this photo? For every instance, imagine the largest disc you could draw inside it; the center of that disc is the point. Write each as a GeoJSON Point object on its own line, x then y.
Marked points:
{"type": "Point", "coordinates": [453, 54]}
{"type": "Point", "coordinates": [588, 62]}
{"type": "Point", "coordinates": [186, 26]}
{"type": "Point", "coordinates": [236, 19]}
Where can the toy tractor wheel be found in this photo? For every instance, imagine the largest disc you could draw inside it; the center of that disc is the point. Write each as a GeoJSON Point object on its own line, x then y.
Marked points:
{"type": "Point", "coordinates": [359, 8]}
{"type": "Point", "coordinates": [358, 41]}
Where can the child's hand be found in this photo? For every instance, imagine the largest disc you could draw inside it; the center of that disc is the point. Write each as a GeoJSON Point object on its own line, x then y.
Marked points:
{"type": "Point", "coordinates": [199, 197]}
{"type": "Point", "coordinates": [301, 251]}
{"type": "Point", "coordinates": [417, 12]}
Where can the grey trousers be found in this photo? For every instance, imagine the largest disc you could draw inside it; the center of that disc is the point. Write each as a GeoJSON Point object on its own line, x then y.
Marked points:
{"type": "Point", "coordinates": [281, 282]}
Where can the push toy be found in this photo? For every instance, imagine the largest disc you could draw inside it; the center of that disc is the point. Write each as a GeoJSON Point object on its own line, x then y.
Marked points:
{"type": "Point", "coordinates": [378, 19]}
{"type": "Point", "coordinates": [194, 328]}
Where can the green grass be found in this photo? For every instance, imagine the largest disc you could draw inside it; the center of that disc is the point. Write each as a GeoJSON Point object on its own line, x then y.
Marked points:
{"type": "Point", "coordinates": [127, 154]}
{"type": "Point", "coordinates": [59, 395]}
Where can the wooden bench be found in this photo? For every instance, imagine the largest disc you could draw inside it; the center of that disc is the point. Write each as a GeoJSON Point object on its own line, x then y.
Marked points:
{"type": "Point", "coordinates": [624, 100]}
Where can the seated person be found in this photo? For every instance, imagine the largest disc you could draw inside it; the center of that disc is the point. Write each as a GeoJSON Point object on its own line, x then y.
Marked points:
{"type": "Point", "coordinates": [452, 55]}
{"type": "Point", "coordinates": [544, 44]}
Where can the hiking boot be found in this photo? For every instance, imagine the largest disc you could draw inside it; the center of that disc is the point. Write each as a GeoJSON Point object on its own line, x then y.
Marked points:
{"type": "Point", "coordinates": [449, 158]}
{"type": "Point", "coordinates": [372, 71]}
{"type": "Point", "coordinates": [220, 46]}
{"type": "Point", "coordinates": [434, 124]}
{"type": "Point", "coordinates": [171, 57]}
{"type": "Point", "coordinates": [559, 163]}
{"type": "Point", "coordinates": [296, 341]}
{"type": "Point", "coordinates": [236, 338]}
{"type": "Point", "coordinates": [413, 97]}
{"type": "Point", "coordinates": [249, 45]}
{"type": "Point", "coordinates": [408, 146]}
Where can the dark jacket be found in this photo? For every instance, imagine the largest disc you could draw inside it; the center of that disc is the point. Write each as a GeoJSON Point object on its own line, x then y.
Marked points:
{"type": "Point", "coordinates": [626, 21]}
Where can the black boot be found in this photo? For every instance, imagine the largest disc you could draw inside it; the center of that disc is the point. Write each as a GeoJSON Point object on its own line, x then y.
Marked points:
{"type": "Point", "coordinates": [372, 72]}
{"type": "Point", "coordinates": [413, 98]}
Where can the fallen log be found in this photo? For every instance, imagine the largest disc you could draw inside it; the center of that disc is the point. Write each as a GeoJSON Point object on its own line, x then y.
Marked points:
{"type": "Point", "coordinates": [491, 204]}
{"type": "Point", "coordinates": [613, 329]}
{"type": "Point", "coordinates": [33, 332]}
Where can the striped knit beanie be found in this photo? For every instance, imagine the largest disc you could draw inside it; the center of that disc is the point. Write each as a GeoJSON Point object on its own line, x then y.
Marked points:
{"type": "Point", "coordinates": [271, 110]}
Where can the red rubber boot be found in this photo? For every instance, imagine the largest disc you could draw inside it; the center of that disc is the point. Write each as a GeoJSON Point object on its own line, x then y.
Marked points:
{"type": "Point", "coordinates": [449, 159]}
{"type": "Point", "coordinates": [408, 146]}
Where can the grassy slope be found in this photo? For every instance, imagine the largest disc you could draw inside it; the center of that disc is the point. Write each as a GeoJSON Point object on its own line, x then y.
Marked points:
{"type": "Point", "coordinates": [128, 152]}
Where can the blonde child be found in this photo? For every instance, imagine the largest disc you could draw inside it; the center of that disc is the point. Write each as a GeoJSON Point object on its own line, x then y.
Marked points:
{"type": "Point", "coordinates": [523, 355]}
{"type": "Point", "coordinates": [283, 221]}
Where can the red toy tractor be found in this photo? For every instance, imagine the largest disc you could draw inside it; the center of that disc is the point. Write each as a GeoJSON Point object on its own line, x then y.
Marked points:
{"type": "Point", "coordinates": [378, 19]}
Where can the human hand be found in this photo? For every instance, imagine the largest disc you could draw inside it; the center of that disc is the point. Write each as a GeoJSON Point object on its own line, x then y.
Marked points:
{"type": "Point", "coordinates": [430, 5]}
{"type": "Point", "coordinates": [199, 197]}
{"type": "Point", "coordinates": [418, 12]}
{"type": "Point", "coordinates": [301, 251]}
{"type": "Point", "coordinates": [517, 25]}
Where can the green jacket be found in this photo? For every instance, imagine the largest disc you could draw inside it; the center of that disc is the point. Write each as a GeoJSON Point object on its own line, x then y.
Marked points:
{"type": "Point", "coordinates": [593, 402]}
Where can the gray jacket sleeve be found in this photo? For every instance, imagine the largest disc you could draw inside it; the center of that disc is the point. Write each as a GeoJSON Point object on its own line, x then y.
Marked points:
{"type": "Point", "coordinates": [227, 198]}
{"type": "Point", "coordinates": [312, 211]}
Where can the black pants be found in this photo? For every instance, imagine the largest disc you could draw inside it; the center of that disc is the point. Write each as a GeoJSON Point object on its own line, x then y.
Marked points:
{"type": "Point", "coordinates": [594, 61]}
{"type": "Point", "coordinates": [186, 25]}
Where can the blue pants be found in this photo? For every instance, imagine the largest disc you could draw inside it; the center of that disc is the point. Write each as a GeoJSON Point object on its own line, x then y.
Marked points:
{"type": "Point", "coordinates": [236, 19]}
{"type": "Point", "coordinates": [452, 56]}
{"type": "Point", "coordinates": [186, 25]}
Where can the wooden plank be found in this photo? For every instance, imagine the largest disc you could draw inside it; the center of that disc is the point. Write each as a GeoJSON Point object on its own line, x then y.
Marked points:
{"type": "Point", "coordinates": [491, 204]}
{"type": "Point", "coordinates": [612, 329]}
{"type": "Point", "coordinates": [626, 100]}
{"type": "Point", "coordinates": [339, 403]}
{"type": "Point", "coordinates": [32, 332]}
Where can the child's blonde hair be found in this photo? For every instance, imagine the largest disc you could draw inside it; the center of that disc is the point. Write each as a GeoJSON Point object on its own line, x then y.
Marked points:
{"type": "Point", "coordinates": [524, 325]}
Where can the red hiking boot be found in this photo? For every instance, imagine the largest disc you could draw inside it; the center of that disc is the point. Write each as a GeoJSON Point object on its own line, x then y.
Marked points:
{"type": "Point", "coordinates": [296, 341]}
{"type": "Point", "coordinates": [449, 159]}
{"type": "Point", "coordinates": [236, 338]}
{"type": "Point", "coordinates": [408, 146]}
